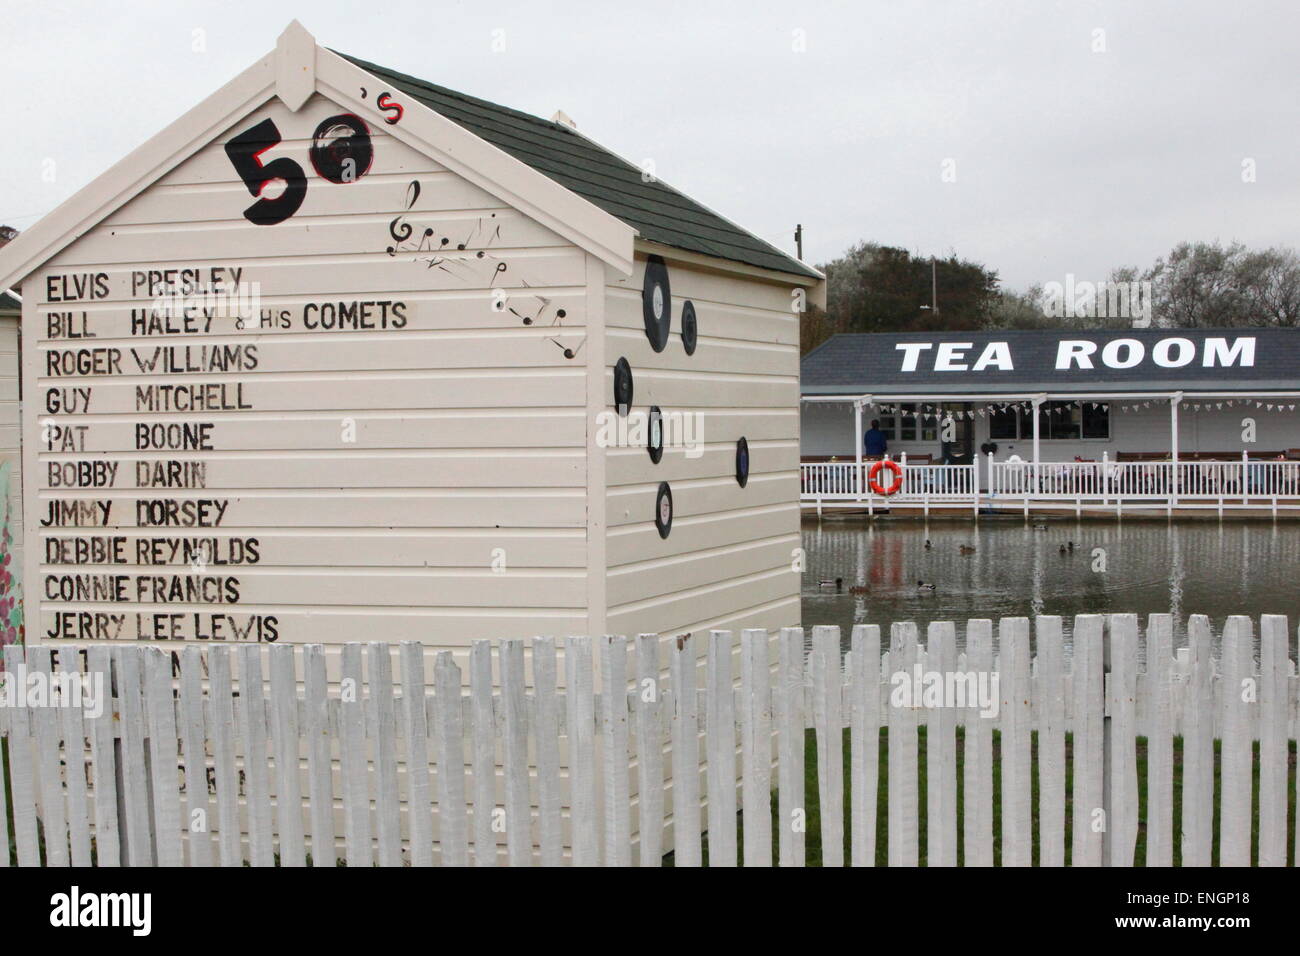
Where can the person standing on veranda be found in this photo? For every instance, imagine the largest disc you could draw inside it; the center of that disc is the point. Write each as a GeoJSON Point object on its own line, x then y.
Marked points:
{"type": "Point", "coordinates": [874, 442]}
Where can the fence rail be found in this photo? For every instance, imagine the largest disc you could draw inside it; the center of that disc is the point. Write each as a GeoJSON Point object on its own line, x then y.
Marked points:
{"type": "Point", "coordinates": [345, 760]}
{"type": "Point", "coordinates": [1182, 480]}
{"type": "Point", "coordinates": [1245, 485]}
{"type": "Point", "coordinates": [926, 485]}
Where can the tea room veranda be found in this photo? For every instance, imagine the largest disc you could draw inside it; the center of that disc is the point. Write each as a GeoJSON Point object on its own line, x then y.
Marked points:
{"type": "Point", "coordinates": [1126, 421]}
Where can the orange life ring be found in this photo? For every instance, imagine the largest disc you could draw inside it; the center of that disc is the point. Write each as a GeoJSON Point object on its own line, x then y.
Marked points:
{"type": "Point", "coordinates": [875, 470]}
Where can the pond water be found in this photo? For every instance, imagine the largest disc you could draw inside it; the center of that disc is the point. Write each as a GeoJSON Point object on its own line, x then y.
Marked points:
{"type": "Point", "coordinates": [1018, 569]}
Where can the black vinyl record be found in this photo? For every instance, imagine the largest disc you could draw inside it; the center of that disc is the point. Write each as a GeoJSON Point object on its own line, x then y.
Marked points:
{"type": "Point", "coordinates": [622, 386]}
{"type": "Point", "coordinates": [341, 150]}
{"type": "Point", "coordinates": [664, 509]}
{"type": "Point", "coordinates": [655, 434]}
{"type": "Point", "coordinates": [742, 462]}
{"type": "Point", "coordinates": [688, 328]}
{"type": "Point", "coordinates": [656, 303]}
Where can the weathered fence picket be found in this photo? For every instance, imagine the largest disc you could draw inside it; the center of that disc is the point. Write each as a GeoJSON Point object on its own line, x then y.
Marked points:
{"type": "Point", "coordinates": [686, 755]}
{"type": "Point", "coordinates": [287, 747]}
{"type": "Point", "coordinates": [977, 822]}
{"type": "Point", "coordinates": [224, 773]}
{"type": "Point", "coordinates": [1272, 740]}
{"type": "Point", "coordinates": [257, 784]}
{"type": "Point", "coordinates": [1017, 784]}
{"type": "Point", "coordinates": [756, 747]}
{"type": "Point", "coordinates": [136, 777]}
{"type": "Point", "coordinates": [550, 834]}
{"type": "Point", "coordinates": [382, 717]}
{"type": "Point", "coordinates": [353, 760]}
{"type": "Point", "coordinates": [514, 735]}
{"type": "Point", "coordinates": [4, 808]}
{"type": "Point", "coordinates": [132, 762]}
{"type": "Point", "coordinates": [904, 810]}
{"type": "Point", "coordinates": [484, 754]}
{"type": "Point", "coordinates": [74, 745]}
{"type": "Point", "coordinates": [863, 665]}
{"type": "Point", "coordinates": [1051, 742]}
{"type": "Point", "coordinates": [941, 754]}
{"type": "Point", "coordinates": [22, 780]}
{"type": "Point", "coordinates": [198, 806]}
{"type": "Point", "coordinates": [581, 713]}
{"type": "Point", "coordinates": [45, 722]}
{"type": "Point", "coordinates": [650, 749]}
{"type": "Point", "coordinates": [720, 747]}
{"type": "Point", "coordinates": [1235, 751]}
{"type": "Point", "coordinates": [827, 696]}
{"type": "Point", "coordinates": [100, 726]}
{"type": "Point", "coordinates": [1088, 799]}
{"type": "Point", "coordinates": [415, 718]}
{"type": "Point", "coordinates": [1198, 747]}
{"type": "Point", "coordinates": [1160, 742]}
{"type": "Point", "coordinates": [614, 740]}
{"type": "Point", "coordinates": [790, 743]}
{"type": "Point", "coordinates": [165, 827]}
{"type": "Point", "coordinates": [453, 828]}
{"type": "Point", "coordinates": [1122, 827]}
{"type": "Point", "coordinates": [319, 759]}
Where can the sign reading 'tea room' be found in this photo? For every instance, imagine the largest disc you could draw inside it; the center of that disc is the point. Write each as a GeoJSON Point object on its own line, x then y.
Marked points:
{"type": "Point", "coordinates": [1082, 353]}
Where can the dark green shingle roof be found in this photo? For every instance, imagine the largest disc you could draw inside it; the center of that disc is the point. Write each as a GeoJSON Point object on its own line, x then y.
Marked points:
{"type": "Point", "coordinates": [8, 303]}
{"type": "Point", "coordinates": [659, 212]}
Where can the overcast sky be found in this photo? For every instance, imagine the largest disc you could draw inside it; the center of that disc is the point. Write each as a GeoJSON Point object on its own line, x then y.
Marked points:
{"type": "Point", "coordinates": [842, 116]}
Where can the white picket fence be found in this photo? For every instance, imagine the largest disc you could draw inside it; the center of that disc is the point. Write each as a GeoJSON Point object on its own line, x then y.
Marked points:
{"type": "Point", "coordinates": [422, 775]}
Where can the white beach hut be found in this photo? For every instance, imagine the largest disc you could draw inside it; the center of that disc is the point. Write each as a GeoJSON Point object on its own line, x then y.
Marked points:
{"type": "Point", "coordinates": [344, 355]}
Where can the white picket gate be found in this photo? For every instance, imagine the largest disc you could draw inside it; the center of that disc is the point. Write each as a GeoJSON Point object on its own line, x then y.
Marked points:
{"type": "Point", "coordinates": [421, 775]}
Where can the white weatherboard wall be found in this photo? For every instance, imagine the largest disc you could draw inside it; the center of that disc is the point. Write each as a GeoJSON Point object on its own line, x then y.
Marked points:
{"type": "Point", "coordinates": [727, 561]}
{"type": "Point", "coordinates": [375, 474]}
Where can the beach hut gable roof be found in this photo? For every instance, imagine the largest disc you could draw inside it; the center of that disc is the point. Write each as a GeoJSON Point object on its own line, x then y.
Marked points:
{"type": "Point", "coordinates": [292, 72]}
{"type": "Point", "coordinates": [546, 170]}
{"type": "Point", "coordinates": [659, 213]}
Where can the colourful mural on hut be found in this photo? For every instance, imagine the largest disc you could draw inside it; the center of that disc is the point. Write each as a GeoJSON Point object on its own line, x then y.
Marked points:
{"type": "Point", "coordinates": [11, 596]}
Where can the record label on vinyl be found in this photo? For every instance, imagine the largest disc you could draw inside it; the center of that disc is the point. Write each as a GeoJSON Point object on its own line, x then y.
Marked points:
{"type": "Point", "coordinates": [656, 303]}
{"type": "Point", "coordinates": [622, 386]}
{"type": "Point", "coordinates": [688, 328]}
{"type": "Point", "coordinates": [655, 438]}
{"type": "Point", "coordinates": [664, 509]}
{"type": "Point", "coordinates": [341, 150]}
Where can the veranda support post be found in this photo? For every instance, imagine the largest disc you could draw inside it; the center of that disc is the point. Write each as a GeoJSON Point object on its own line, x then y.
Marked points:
{"type": "Point", "coordinates": [858, 483]}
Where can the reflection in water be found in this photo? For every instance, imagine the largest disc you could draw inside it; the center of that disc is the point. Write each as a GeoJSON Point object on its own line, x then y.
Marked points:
{"type": "Point", "coordinates": [1020, 569]}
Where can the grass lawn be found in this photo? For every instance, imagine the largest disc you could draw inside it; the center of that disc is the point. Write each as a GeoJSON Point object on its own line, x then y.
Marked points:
{"type": "Point", "coordinates": [812, 838]}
